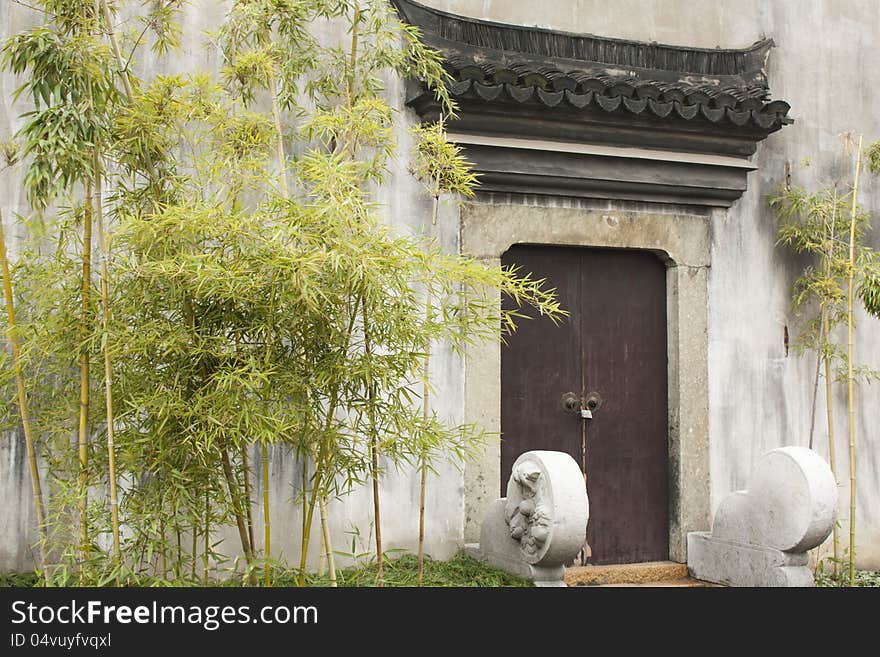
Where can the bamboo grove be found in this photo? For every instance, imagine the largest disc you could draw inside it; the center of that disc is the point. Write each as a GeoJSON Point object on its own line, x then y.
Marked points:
{"type": "Point", "coordinates": [208, 284]}
{"type": "Point", "coordinates": [831, 226]}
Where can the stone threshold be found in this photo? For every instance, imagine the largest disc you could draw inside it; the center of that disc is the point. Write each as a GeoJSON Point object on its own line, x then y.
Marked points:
{"type": "Point", "coordinates": [651, 573]}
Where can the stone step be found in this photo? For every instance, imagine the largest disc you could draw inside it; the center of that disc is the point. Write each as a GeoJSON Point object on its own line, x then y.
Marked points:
{"type": "Point", "coordinates": [652, 573]}
{"type": "Point", "coordinates": [666, 583]}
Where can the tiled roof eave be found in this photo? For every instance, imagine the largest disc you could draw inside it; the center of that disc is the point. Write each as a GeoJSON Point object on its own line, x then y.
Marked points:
{"type": "Point", "coordinates": [721, 89]}
{"type": "Point", "coordinates": [630, 99]}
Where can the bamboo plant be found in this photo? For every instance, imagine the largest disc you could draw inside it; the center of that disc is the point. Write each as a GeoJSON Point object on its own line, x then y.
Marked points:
{"type": "Point", "coordinates": [831, 226]}
{"type": "Point", "coordinates": [250, 309]}
{"type": "Point", "coordinates": [440, 167]}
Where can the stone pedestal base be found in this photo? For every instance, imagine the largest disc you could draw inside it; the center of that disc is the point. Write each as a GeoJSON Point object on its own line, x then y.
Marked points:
{"type": "Point", "coordinates": [499, 550]}
{"type": "Point", "coordinates": [545, 577]}
{"type": "Point", "coordinates": [541, 524]}
{"type": "Point", "coordinates": [724, 561]}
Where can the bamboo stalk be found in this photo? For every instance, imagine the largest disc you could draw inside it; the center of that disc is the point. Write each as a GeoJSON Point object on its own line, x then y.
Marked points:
{"type": "Point", "coordinates": [108, 367]}
{"type": "Point", "coordinates": [195, 552]}
{"type": "Point", "coordinates": [319, 456]}
{"type": "Point", "coordinates": [322, 557]}
{"type": "Point", "coordinates": [318, 459]}
{"type": "Point", "coordinates": [178, 572]}
{"type": "Point", "coordinates": [831, 459]}
{"type": "Point", "coordinates": [117, 54]}
{"type": "Point", "coordinates": [829, 398]}
{"type": "Point", "coordinates": [164, 556]}
{"type": "Point", "coordinates": [279, 148]}
{"type": "Point", "coordinates": [423, 464]}
{"type": "Point", "coordinates": [422, 488]}
{"type": "Point", "coordinates": [816, 383]}
{"type": "Point", "coordinates": [380, 575]}
{"type": "Point", "coordinates": [309, 509]}
{"type": "Point", "coordinates": [423, 460]}
{"type": "Point", "coordinates": [232, 485]}
{"type": "Point", "coordinates": [36, 489]}
{"type": "Point", "coordinates": [305, 488]}
{"type": "Point", "coordinates": [279, 137]}
{"type": "Point", "coordinates": [308, 513]}
{"type": "Point", "coordinates": [374, 447]}
{"type": "Point", "coordinates": [267, 527]}
{"type": "Point", "coordinates": [122, 69]}
{"type": "Point", "coordinates": [350, 73]}
{"type": "Point", "coordinates": [207, 537]}
{"type": "Point", "coordinates": [849, 367]}
{"type": "Point", "coordinates": [327, 543]}
{"type": "Point", "coordinates": [84, 374]}
{"type": "Point", "coordinates": [246, 476]}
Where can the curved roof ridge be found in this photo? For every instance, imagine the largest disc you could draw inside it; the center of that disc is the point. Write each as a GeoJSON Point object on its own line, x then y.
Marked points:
{"type": "Point", "coordinates": [545, 42]}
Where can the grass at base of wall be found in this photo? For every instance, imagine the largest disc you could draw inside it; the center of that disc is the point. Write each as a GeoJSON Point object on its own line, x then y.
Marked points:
{"type": "Point", "coordinates": [459, 571]}
{"type": "Point", "coordinates": [867, 578]}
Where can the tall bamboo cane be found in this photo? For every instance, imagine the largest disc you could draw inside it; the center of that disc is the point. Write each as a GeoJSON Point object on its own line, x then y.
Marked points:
{"type": "Point", "coordinates": [319, 456]}
{"type": "Point", "coordinates": [849, 367]}
{"type": "Point", "coordinates": [829, 398]}
{"type": "Point", "coordinates": [246, 477]}
{"type": "Point", "coordinates": [374, 448]}
{"type": "Point", "coordinates": [326, 543]}
{"type": "Point", "coordinates": [423, 464]}
{"type": "Point", "coordinates": [84, 374]}
{"type": "Point", "coordinates": [282, 159]}
{"type": "Point", "coordinates": [124, 74]}
{"type": "Point", "coordinates": [279, 136]}
{"type": "Point", "coordinates": [267, 531]}
{"type": "Point", "coordinates": [117, 54]}
{"type": "Point", "coordinates": [163, 553]}
{"type": "Point", "coordinates": [207, 537]}
{"type": "Point", "coordinates": [108, 368]}
{"type": "Point", "coordinates": [36, 489]}
{"type": "Point", "coordinates": [820, 342]}
{"type": "Point", "coordinates": [234, 496]}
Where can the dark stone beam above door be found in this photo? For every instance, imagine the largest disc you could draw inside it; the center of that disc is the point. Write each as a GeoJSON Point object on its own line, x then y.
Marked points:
{"type": "Point", "coordinates": [550, 112]}
{"type": "Point", "coordinates": [528, 166]}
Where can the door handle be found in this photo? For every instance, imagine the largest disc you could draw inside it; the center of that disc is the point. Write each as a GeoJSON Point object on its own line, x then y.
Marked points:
{"type": "Point", "coordinates": [594, 401]}
{"type": "Point", "coordinates": [570, 403]}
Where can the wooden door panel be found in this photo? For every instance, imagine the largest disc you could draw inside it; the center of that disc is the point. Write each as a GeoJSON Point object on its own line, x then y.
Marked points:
{"type": "Point", "coordinates": [530, 409]}
{"type": "Point", "coordinates": [614, 344]}
{"type": "Point", "coordinates": [624, 344]}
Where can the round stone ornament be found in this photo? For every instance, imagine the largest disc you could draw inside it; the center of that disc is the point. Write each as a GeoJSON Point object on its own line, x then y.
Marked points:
{"type": "Point", "coordinates": [547, 508]}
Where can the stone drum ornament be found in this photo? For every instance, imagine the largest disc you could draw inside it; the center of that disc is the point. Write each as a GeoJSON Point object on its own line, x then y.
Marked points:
{"type": "Point", "coordinates": [541, 524]}
{"type": "Point", "coordinates": [760, 536]}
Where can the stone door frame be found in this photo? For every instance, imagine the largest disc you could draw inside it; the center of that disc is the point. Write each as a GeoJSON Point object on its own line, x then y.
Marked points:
{"type": "Point", "coordinates": [682, 241]}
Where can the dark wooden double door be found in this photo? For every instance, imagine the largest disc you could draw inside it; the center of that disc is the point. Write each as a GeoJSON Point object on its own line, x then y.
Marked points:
{"type": "Point", "coordinates": [613, 344]}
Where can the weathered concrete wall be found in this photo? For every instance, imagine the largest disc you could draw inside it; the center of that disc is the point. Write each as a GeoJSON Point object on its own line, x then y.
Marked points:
{"type": "Point", "coordinates": [824, 65]}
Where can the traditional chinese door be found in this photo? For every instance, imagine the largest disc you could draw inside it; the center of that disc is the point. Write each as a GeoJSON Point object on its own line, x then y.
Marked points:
{"type": "Point", "coordinates": [609, 358]}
